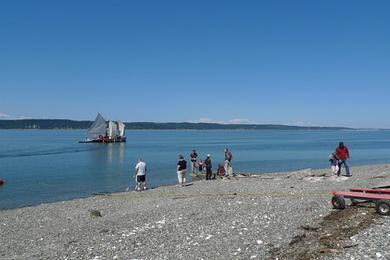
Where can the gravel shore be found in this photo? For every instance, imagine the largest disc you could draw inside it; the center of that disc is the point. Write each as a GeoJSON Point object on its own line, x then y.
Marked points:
{"type": "Point", "coordinates": [268, 216]}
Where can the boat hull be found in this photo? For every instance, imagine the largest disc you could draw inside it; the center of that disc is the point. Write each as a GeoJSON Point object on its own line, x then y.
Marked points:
{"type": "Point", "coordinates": [105, 141]}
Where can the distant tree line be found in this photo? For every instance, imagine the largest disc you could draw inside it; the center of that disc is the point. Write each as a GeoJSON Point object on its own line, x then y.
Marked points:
{"type": "Point", "coordinates": [71, 124]}
{"type": "Point", "coordinates": [44, 124]}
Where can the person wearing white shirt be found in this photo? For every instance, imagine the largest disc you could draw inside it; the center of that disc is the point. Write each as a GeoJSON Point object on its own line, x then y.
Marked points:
{"type": "Point", "coordinates": [140, 172]}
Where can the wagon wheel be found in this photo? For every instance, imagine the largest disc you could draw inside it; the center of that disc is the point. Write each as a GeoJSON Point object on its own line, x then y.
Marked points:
{"type": "Point", "coordinates": [383, 207]}
{"type": "Point", "coordinates": [338, 202]}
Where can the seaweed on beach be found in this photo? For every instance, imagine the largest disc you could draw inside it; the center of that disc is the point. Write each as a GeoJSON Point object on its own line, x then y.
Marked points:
{"type": "Point", "coordinates": [330, 237]}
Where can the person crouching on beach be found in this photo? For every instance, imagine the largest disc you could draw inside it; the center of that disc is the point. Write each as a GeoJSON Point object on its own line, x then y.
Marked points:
{"type": "Point", "coordinates": [334, 163]}
{"type": "Point", "coordinates": [220, 170]}
{"type": "Point", "coordinates": [140, 173]}
{"type": "Point", "coordinates": [181, 171]}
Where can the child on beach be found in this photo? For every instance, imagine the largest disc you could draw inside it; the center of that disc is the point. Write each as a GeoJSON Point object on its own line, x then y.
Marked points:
{"type": "Point", "coordinates": [334, 161]}
{"type": "Point", "coordinates": [200, 165]}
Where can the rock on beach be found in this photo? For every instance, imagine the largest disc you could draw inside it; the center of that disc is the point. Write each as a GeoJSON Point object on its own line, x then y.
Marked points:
{"type": "Point", "coordinates": [266, 216]}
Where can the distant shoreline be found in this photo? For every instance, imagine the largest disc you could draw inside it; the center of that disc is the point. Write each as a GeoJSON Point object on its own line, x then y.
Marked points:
{"type": "Point", "coordinates": [173, 129]}
{"type": "Point", "coordinates": [65, 124]}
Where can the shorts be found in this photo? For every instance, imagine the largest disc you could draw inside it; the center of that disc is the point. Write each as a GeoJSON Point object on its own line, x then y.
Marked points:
{"type": "Point", "coordinates": [141, 178]}
{"type": "Point", "coordinates": [181, 176]}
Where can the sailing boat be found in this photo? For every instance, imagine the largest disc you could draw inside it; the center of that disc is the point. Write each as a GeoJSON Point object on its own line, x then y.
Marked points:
{"type": "Point", "coordinates": [102, 131]}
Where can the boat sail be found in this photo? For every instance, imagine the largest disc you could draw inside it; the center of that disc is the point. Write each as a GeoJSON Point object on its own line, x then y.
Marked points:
{"type": "Point", "coordinates": [121, 128]}
{"type": "Point", "coordinates": [105, 132]}
{"type": "Point", "coordinates": [98, 128]}
{"type": "Point", "coordinates": [111, 129]}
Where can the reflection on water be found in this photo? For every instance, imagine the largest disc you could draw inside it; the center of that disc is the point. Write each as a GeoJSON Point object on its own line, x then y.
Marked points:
{"type": "Point", "coordinates": [116, 152]}
{"type": "Point", "coordinates": [107, 153]}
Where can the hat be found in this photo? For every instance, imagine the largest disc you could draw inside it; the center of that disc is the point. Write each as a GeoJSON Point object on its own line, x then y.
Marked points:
{"type": "Point", "coordinates": [208, 155]}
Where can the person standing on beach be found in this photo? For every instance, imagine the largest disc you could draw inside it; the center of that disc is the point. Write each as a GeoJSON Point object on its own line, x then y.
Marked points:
{"type": "Point", "coordinates": [193, 158]}
{"type": "Point", "coordinates": [140, 173]}
{"type": "Point", "coordinates": [228, 163]}
{"type": "Point", "coordinates": [181, 171]}
{"type": "Point", "coordinates": [342, 153]}
{"type": "Point", "coordinates": [208, 167]}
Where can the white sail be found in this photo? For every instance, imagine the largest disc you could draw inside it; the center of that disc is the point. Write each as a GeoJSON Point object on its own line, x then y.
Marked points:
{"type": "Point", "coordinates": [102, 131]}
{"type": "Point", "coordinates": [112, 129]}
{"type": "Point", "coordinates": [121, 128]}
{"type": "Point", "coordinates": [97, 128]}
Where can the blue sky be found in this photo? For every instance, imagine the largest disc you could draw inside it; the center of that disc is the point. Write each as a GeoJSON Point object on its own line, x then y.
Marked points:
{"type": "Point", "coordinates": [282, 62]}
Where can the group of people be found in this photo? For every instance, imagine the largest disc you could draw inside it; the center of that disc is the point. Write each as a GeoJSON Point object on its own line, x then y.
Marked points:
{"type": "Point", "coordinates": [204, 166]}
{"type": "Point", "coordinates": [339, 158]}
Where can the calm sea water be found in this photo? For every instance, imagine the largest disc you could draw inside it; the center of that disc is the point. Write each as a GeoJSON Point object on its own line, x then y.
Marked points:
{"type": "Point", "coordinates": [43, 166]}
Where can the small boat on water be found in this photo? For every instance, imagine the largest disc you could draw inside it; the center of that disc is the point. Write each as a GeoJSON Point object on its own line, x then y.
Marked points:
{"type": "Point", "coordinates": [102, 131]}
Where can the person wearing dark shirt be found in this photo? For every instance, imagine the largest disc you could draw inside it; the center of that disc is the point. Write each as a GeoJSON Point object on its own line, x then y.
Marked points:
{"type": "Point", "coordinates": [181, 171]}
{"type": "Point", "coordinates": [208, 167]}
{"type": "Point", "coordinates": [193, 158]}
{"type": "Point", "coordinates": [228, 155]}
{"type": "Point", "coordinates": [342, 153]}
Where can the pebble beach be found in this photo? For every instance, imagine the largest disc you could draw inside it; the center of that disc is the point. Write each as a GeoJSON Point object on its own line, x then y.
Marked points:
{"type": "Point", "coordinates": [252, 216]}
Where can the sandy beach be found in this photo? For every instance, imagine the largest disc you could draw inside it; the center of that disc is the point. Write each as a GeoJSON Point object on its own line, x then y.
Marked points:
{"type": "Point", "coordinates": [268, 216]}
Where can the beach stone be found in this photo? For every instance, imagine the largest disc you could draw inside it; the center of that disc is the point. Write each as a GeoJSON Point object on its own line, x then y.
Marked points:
{"type": "Point", "coordinates": [263, 217]}
{"type": "Point", "coordinates": [95, 213]}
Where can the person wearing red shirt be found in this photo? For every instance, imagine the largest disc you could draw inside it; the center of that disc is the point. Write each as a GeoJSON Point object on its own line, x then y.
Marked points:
{"type": "Point", "coordinates": [342, 154]}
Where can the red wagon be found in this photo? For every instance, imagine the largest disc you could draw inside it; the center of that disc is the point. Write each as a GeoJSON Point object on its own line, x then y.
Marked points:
{"type": "Point", "coordinates": [380, 197]}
